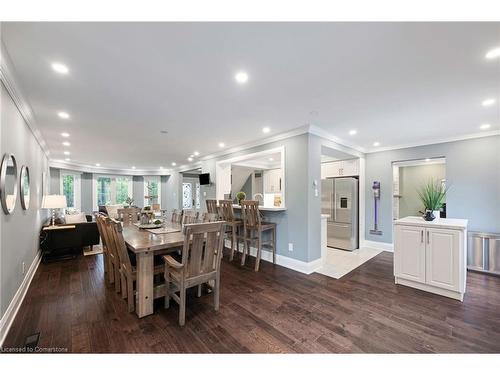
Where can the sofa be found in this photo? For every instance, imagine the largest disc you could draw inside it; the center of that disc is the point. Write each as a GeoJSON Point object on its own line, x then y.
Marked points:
{"type": "Point", "coordinates": [68, 243]}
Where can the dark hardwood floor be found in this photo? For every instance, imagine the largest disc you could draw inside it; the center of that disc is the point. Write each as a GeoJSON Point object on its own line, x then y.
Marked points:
{"type": "Point", "coordinates": [273, 311]}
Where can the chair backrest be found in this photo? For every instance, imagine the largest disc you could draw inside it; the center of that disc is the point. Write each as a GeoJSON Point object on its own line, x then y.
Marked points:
{"type": "Point", "coordinates": [176, 217]}
{"type": "Point", "coordinates": [128, 215]}
{"type": "Point", "coordinates": [100, 226]}
{"type": "Point", "coordinates": [250, 213]}
{"type": "Point", "coordinates": [155, 207]}
{"type": "Point", "coordinates": [226, 210]}
{"type": "Point", "coordinates": [118, 243]}
{"type": "Point", "coordinates": [212, 206]}
{"type": "Point", "coordinates": [189, 216]}
{"type": "Point", "coordinates": [202, 250]}
{"type": "Point", "coordinates": [210, 217]}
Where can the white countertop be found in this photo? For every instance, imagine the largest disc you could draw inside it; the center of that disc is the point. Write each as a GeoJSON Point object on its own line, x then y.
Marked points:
{"type": "Point", "coordinates": [437, 223]}
{"type": "Point", "coordinates": [262, 208]}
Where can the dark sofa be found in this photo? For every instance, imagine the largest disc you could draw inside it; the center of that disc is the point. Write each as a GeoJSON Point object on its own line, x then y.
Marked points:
{"type": "Point", "coordinates": [68, 243]}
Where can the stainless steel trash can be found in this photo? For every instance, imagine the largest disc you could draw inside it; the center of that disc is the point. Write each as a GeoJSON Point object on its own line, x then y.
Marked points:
{"type": "Point", "coordinates": [483, 252]}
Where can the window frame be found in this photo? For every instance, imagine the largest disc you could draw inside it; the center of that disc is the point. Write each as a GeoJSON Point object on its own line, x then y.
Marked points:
{"type": "Point", "coordinates": [77, 188]}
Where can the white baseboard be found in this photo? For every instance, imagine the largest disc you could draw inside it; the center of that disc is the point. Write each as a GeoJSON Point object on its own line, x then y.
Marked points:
{"type": "Point", "coordinates": [385, 246]}
{"type": "Point", "coordinates": [16, 302]}
{"type": "Point", "coordinates": [293, 264]}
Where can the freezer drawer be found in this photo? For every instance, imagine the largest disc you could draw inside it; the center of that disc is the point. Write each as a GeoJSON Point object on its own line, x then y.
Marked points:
{"type": "Point", "coordinates": [340, 236]}
{"type": "Point", "coordinates": [483, 252]}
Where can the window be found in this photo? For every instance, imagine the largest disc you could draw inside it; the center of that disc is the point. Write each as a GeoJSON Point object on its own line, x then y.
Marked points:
{"type": "Point", "coordinates": [70, 187]}
{"type": "Point", "coordinates": [198, 203]}
{"type": "Point", "coordinates": [112, 190]}
{"type": "Point", "coordinates": [187, 195]}
{"type": "Point", "coordinates": [152, 190]}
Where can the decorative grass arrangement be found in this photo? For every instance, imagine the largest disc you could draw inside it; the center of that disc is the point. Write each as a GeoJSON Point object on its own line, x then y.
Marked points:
{"type": "Point", "coordinates": [432, 195]}
{"type": "Point", "coordinates": [240, 196]}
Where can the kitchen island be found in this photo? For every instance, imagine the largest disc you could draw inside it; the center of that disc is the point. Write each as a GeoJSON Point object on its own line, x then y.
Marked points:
{"type": "Point", "coordinates": [431, 255]}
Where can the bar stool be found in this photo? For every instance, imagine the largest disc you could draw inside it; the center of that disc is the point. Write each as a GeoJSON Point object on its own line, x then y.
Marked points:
{"type": "Point", "coordinates": [212, 206]}
{"type": "Point", "coordinates": [232, 224]}
{"type": "Point", "coordinates": [252, 232]}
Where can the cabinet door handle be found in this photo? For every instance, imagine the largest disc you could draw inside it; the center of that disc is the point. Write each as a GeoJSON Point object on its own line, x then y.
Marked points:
{"type": "Point", "coordinates": [422, 236]}
{"type": "Point", "coordinates": [428, 239]}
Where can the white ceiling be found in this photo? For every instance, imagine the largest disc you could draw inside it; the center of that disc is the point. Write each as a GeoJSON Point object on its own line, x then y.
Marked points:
{"type": "Point", "coordinates": [398, 83]}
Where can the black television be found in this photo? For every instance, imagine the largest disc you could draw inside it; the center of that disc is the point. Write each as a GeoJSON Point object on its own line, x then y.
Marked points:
{"type": "Point", "coordinates": [204, 178]}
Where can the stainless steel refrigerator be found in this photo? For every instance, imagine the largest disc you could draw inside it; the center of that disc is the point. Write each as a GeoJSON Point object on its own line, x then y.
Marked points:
{"type": "Point", "coordinates": [339, 199]}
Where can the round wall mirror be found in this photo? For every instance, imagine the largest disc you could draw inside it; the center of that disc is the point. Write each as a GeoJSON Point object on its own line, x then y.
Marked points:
{"type": "Point", "coordinates": [8, 183]}
{"type": "Point", "coordinates": [24, 187]}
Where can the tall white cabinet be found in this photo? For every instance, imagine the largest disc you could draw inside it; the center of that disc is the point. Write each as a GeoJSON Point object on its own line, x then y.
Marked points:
{"type": "Point", "coordinates": [431, 255]}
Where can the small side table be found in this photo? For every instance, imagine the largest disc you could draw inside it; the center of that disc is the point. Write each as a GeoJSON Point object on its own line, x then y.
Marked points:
{"type": "Point", "coordinates": [58, 242]}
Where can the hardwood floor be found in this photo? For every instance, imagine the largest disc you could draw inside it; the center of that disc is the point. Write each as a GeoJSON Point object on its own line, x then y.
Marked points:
{"type": "Point", "coordinates": [273, 311]}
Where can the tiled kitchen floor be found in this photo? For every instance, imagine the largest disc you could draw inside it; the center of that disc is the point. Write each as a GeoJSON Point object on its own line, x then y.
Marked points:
{"type": "Point", "coordinates": [340, 262]}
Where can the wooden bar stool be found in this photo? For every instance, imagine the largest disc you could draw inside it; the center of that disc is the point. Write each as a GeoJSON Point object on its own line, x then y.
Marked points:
{"type": "Point", "coordinates": [252, 232]}
{"type": "Point", "coordinates": [212, 206]}
{"type": "Point", "coordinates": [232, 225]}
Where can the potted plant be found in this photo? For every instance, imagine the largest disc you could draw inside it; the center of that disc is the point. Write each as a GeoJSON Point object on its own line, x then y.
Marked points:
{"type": "Point", "coordinates": [432, 195]}
{"type": "Point", "coordinates": [240, 196]}
{"type": "Point", "coordinates": [129, 201]}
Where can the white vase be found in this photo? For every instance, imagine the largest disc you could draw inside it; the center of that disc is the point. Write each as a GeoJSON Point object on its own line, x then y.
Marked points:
{"type": "Point", "coordinates": [437, 214]}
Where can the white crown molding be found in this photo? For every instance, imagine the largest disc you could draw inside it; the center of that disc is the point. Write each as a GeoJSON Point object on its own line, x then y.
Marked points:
{"type": "Point", "coordinates": [113, 171]}
{"type": "Point", "coordinates": [338, 143]}
{"type": "Point", "coordinates": [435, 141]}
{"type": "Point", "coordinates": [8, 78]}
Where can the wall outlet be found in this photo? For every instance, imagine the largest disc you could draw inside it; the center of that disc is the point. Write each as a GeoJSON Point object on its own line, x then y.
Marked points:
{"type": "Point", "coordinates": [23, 268]}
{"type": "Point", "coordinates": [290, 246]}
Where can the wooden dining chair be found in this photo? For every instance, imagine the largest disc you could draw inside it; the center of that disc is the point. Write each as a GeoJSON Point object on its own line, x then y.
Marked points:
{"type": "Point", "coordinates": [201, 258]}
{"type": "Point", "coordinates": [128, 270]}
{"type": "Point", "coordinates": [209, 217]}
{"type": "Point", "coordinates": [113, 259]}
{"type": "Point", "coordinates": [212, 206]}
{"type": "Point", "coordinates": [128, 215]}
{"type": "Point", "coordinates": [233, 225]}
{"type": "Point", "coordinates": [253, 228]}
{"type": "Point", "coordinates": [189, 217]}
{"type": "Point", "coordinates": [176, 217]}
{"type": "Point", "coordinates": [108, 271]}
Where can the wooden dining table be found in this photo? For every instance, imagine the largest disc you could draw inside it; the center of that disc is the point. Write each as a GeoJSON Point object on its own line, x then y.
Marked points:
{"type": "Point", "coordinates": [145, 245]}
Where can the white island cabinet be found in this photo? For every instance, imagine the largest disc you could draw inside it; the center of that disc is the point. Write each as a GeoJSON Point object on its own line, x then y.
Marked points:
{"type": "Point", "coordinates": [431, 255]}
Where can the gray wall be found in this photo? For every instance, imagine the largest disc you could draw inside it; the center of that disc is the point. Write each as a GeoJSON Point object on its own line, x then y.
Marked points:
{"type": "Point", "coordinates": [19, 231]}
{"type": "Point", "coordinates": [55, 177]}
{"type": "Point", "coordinates": [138, 190]}
{"type": "Point", "coordinates": [411, 180]}
{"type": "Point", "coordinates": [86, 191]}
{"type": "Point", "coordinates": [472, 173]}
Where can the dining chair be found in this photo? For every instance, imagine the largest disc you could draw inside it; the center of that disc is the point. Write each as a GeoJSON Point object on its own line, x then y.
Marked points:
{"type": "Point", "coordinates": [253, 227]}
{"type": "Point", "coordinates": [189, 216]}
{"type": "Point", "coordinates": [176, 217]}
{"type": "Point", "coordinates": [128, 215]}
{"type": "Point", "coordinates": [128, 269]}
{"type": "Point", "coordinates": [212, 206]}
{"type": "Point", "coordinates": [113, 260]}
{"type": "Point", "coordinates": [200, 264]}
{"type": "Point", "coordinates": [108, 270]}
{"type": "Point", "coordinates": [232, 225]}
{"type": "Point", "coordinates": [209, 217]}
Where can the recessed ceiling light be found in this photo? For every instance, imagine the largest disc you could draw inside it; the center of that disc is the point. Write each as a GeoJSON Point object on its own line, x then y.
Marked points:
{"type": "Point", "coordinates": [376, 144]}
{"type": "Point", "coordinates": [196, 153]}
{"type": "Point", "coordinates": [271, 159]}
{"type": "Point", "coordinates": [493, 53]}
{"type": "Point", "coordinates": [488, 102]}
{"type": "Point", "coordinates": [66, 144]}
{"type": "Point", "coordinates": [427, 159]}
{"type": "Point", "coordinates": [97, 164]}
{"type": "Point", "coordinates": [66, 153]}
{"type": "Point", "coordinates": [266, 130]}
{"type": "Point", "coordinates": [352, 132]}
{"type": "Point", "coordinates": [190, 159]}
{"type": "Point", "coordinates": [221, 144]}
{"type": "Point", "coordinates": [174, 164]}
{"type": "Point", "coordinates": [65, 135]}
{"type": "Point", "coordinates": [67, 159]}
{"type": "Point", "coordinates": [64, 115]}
{"type": "Point", "coordinates": [485, 126]}
{"type": "Point", "coordinates": [241, 77]}
{"type": "Point", "coordinates": [133, 167]}
{"type": "Point", "coordinates": [60, 68]}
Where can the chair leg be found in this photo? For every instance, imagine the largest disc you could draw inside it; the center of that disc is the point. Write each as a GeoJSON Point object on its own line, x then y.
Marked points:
{"type": "Point", "coordinates": [167, 288]}
{"type": "Point", "coordinates": [182, 305]}
{"type": "Point", "coordinates": [259, 250]}
{"type": "Point", "coordinates": [274, 245]}
{"type": "Point", "coordinates": [198, 294]}
{"type": "Point", "coordinates": [245, 247]}
{"type": "Point", "coordinates": [123, 282]}
{"type": "Point", "coordinates": [111, 272]}
{"type": "Point", "coordinates": [130, 295]}
{"type": "Point", "coordinates": [216, 292]}
{"type": "Point", "coordinates": [233, 241]}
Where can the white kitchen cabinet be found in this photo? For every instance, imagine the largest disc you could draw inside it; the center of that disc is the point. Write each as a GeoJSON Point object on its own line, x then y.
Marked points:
{"type": "Point", "coordinates": [272, 181]}
{"type": "Point", "coordinates": [340, 168]}
{"type": "Point", "coordinates": [431, 255]}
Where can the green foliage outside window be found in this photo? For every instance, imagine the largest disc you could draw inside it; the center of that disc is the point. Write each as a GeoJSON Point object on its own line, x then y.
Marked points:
{"type": "Point", "coordinates": [69, 189]}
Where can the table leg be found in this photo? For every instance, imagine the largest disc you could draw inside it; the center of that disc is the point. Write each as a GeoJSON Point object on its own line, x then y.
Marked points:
{"type": "Point", "coordinates": [145, 284]}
